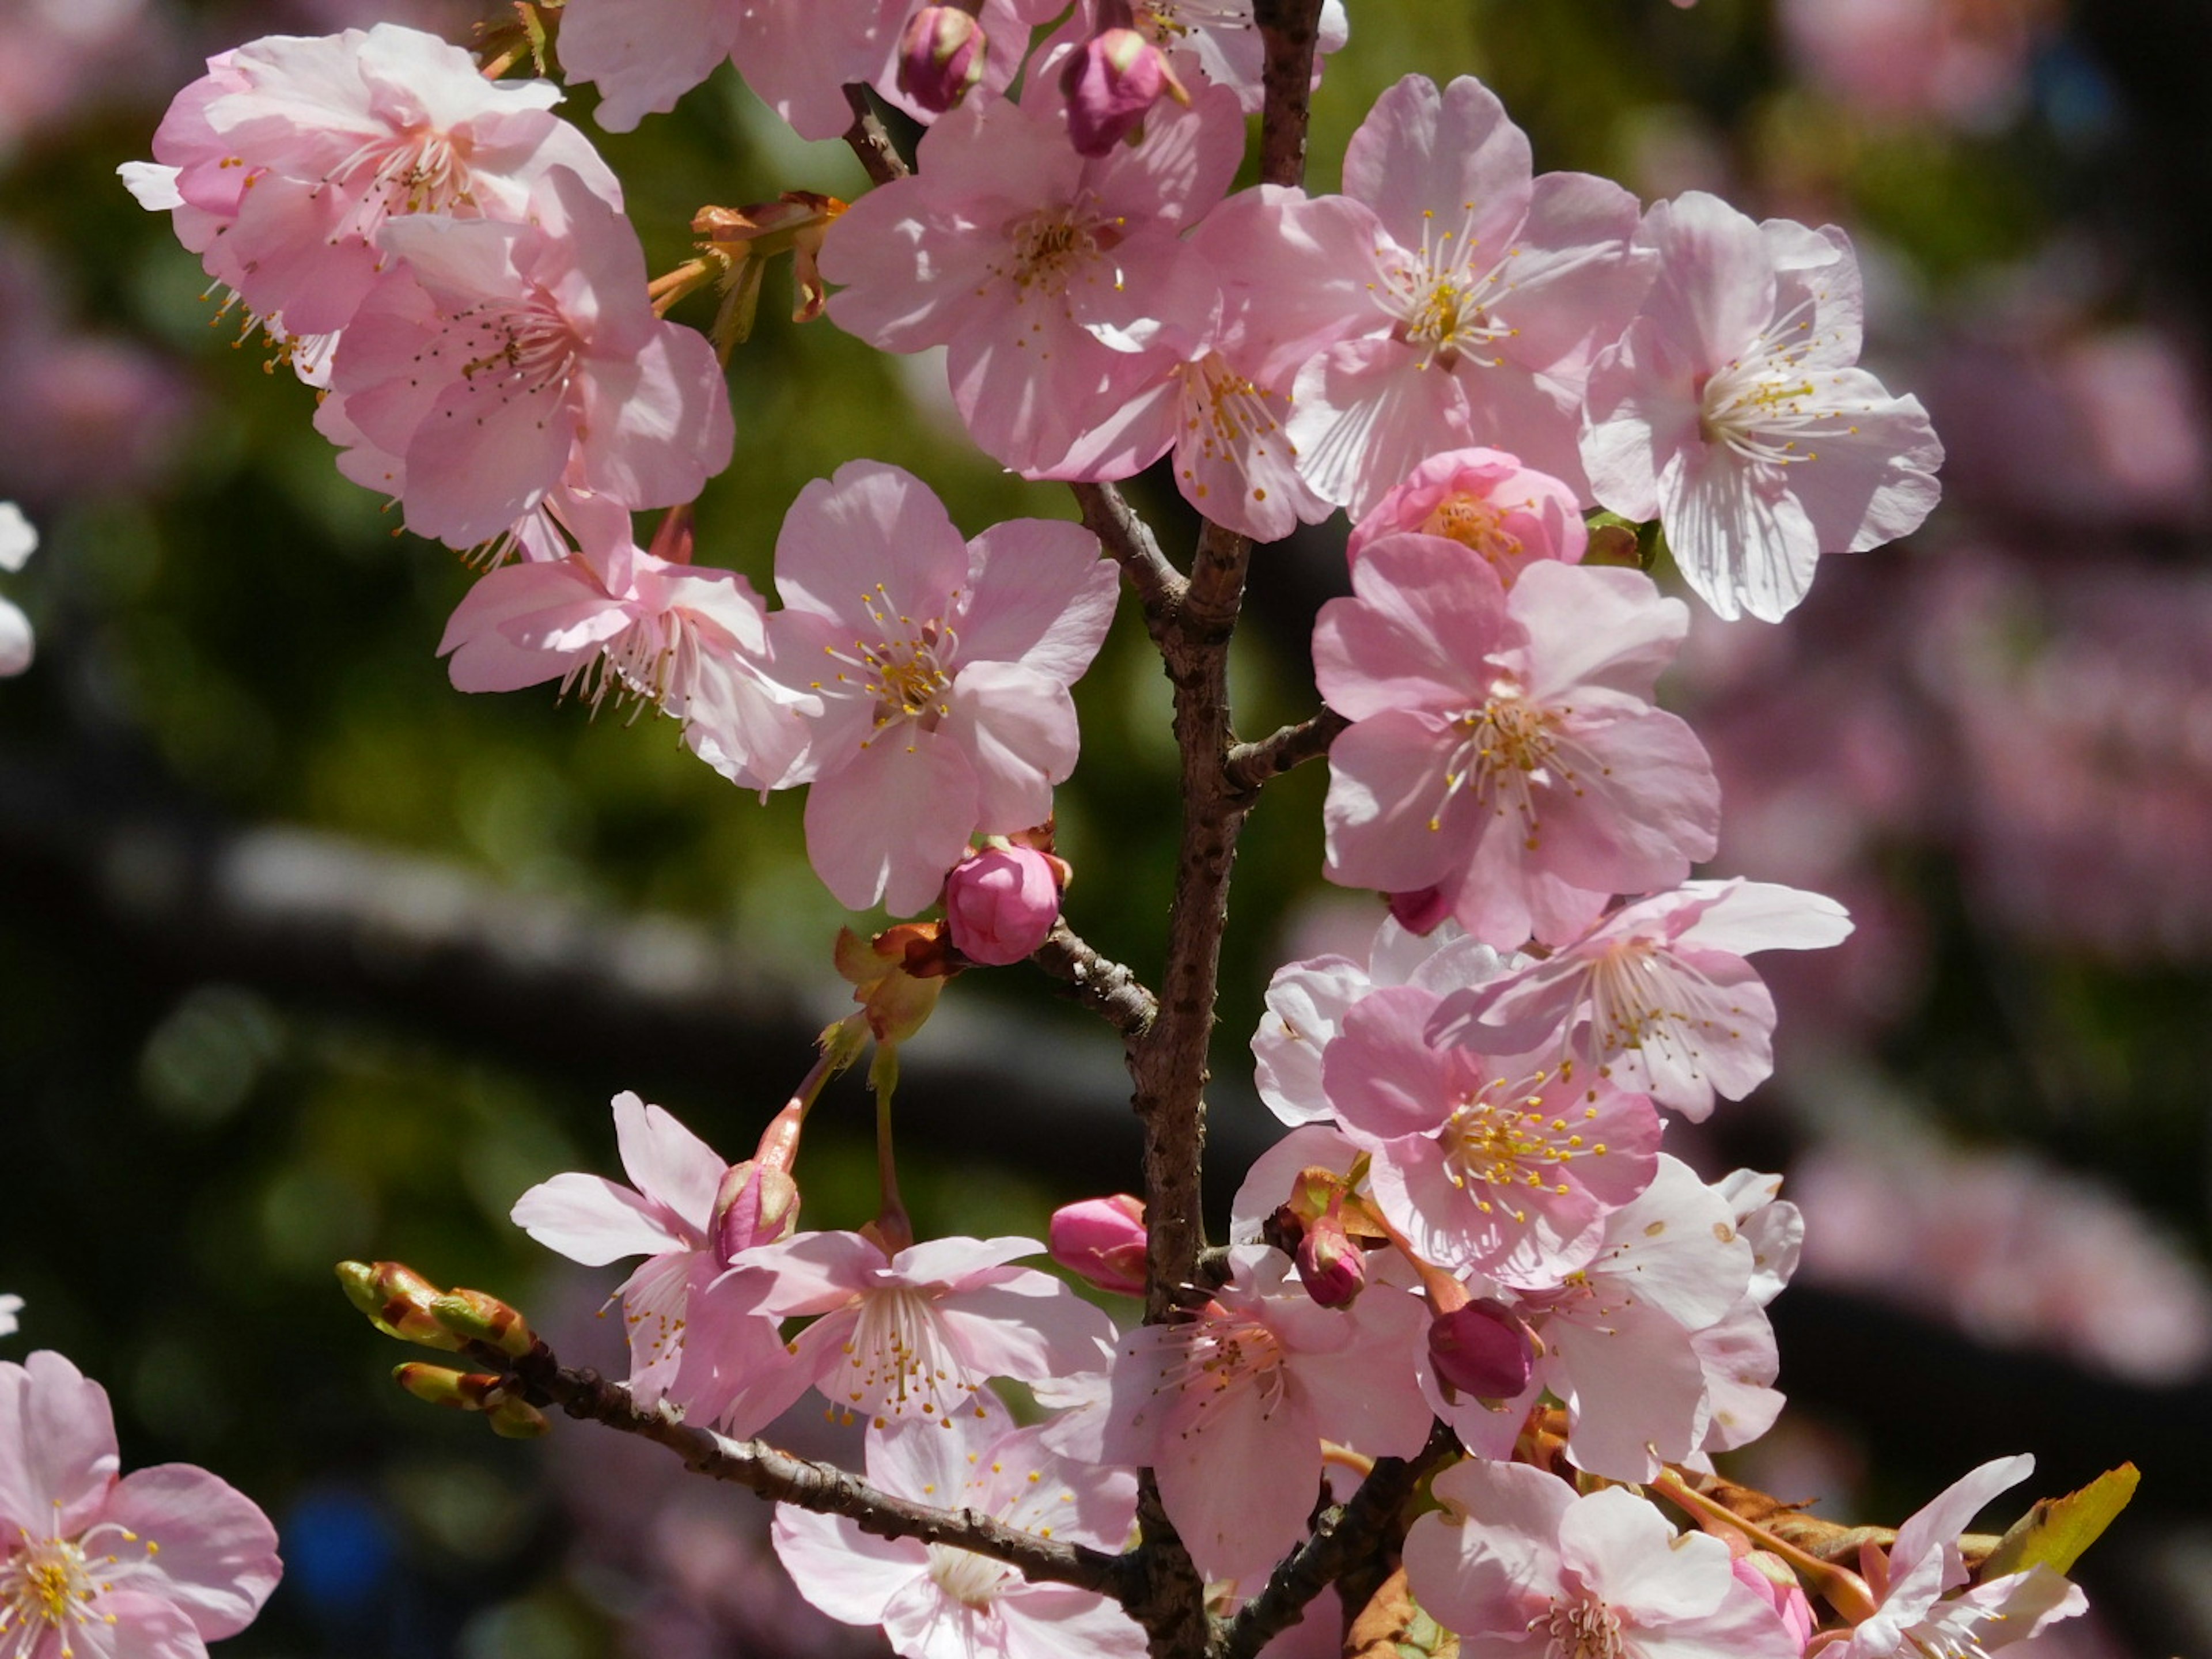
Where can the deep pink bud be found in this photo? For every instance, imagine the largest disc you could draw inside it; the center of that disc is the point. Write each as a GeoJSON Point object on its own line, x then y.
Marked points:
{"type": "Point", "coordinates": [1769, 1576]}
{"type": "Point", "coordinates": [1331, 1265]}
{"type": "Point", "coordinates": [1423, 911]}
{"type": "Point", "coordinates": [941, 56]}
{"type": "Point", "coordinates": [1103, 1240]}
{"type": "Point", "coordinates": [1113, 79]}
{"type": "Point", "coordinates": [1481, 1349]}
{"type": "Point", "coordinates": [1000, 903]}
{"type": "Point", "coordinates": [757, 1204]}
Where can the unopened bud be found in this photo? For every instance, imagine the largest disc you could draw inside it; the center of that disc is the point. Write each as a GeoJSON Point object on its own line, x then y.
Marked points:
{"type": "Point", "coordinates": [1771, 1579]}
{"type": "Point", "coordinates": [1103, 1240]}
{"type": "Point", "coordinates": [1422, 911]}
{"type": "Point", "coordinates": [396, 1301]}
{"type": "Point", "coordinates": [755, 1205]}
{"type": "Point", "coordinates": [1111, 81]}
{"type": "Point", "coordinates": [941, 56]}
{"type": "Point", "coordinates": [475, 1318]}
{"type": "Point", "coordinates": [1481, 1349]}
{"type": "Point", "coordinates": [1001, 901]}
{"type": "Point", "coordinates": [517, 1419]}
{"type": "Point", "coordinates": [1332, 1268]}
{"type": "Point", "coordinates": [436, 1385]}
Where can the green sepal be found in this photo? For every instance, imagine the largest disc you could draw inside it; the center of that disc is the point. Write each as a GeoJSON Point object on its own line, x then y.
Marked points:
{"type": "Point", "coordinates": [2056, 1531]}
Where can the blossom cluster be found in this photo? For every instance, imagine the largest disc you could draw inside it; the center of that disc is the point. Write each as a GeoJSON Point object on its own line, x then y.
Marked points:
{"type": "Point", "coordinates": [1472, 1235]}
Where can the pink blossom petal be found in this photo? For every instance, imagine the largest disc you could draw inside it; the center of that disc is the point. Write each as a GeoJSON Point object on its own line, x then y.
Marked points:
{"type": "Point", "coordinates": [1366, 413]}
{"type": "Point", "coordinates": [1040, 595]}
{"type": "Point", "coordinates": [56, 1446]}
{"type": "Point", "coordinates": [1628, 1555]}
{"type": "Point", "coordinates": [843, 531]}
{"type": "Point", "coordinates": [1450, 163]}
{"type": "Point", "coordinates": [885, 828]}
{"type": "Point", "coordinates": [850, 1574]}
{"type": "Point", "coordinates": [1017, 729]}
{"type": "Point", "coordinates": [217, 1557]}
{"type": "Point", "coordinates": [670, 1165]}
{"type": "Point", "coordinates": [645, 54]}
{"type": "Point", "coordinates": [592, 1220]}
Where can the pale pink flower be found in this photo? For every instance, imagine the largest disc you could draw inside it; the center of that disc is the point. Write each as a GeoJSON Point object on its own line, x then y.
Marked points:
{"type": "Point", "coordinates": [723, 1362]}
{"type": "Point", "coordinates": [1253, 1383]}
{"type": "Point", "coordinates": [1481, 1163]}
{"type": "Point", "coordinates": [1060, 286]}
{"type": "Point", "coordinates": [1928, 1606]}
{"type": "Point", "coordinates": [934, 1602]}
{"type": "Point", "coordinates": [291, 154]}
{"type": "Point", "coordinates": [1514, 1554]}
{"type": "Point", "coordinates": [19, 539]}
{"type": "Point", "coordinates": [1503, 745]}
{"type": "Point", "coordinates": [153, 1565]}
{"type": "Point", "coordinates": [1486, 500]}
{"type": "Point", "coordinates": [1657, 996]}
{"type": "Point", "coordinates": [1965, 62]}
{"type": "Point", "coordinates": [1000, 904]}
{"type": "Point", "coordinates": [1733, 412]}
{"type": "Point", "coordinates": [1307, 1002]}
{"type": "Point", "coordinates": [939, 670]}
{"type": "Point", "coordinates": [497, 349]}
{"type": "Point", "coordinates": [918, 1332]}
{"type": "Point", "coordinates": [1446, 300]}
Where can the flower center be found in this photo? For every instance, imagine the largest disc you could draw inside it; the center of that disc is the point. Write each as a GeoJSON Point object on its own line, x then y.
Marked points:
{"type": "Point", "coordinates": [898, 1357]}
{"type": "Point", "coordinates": [517, 349]}
{"type": "Point", "coordinates": [1504, 1140]}
{"type": "Point", "coordinates": [421, 170]}
{"type": "Point", "coordinates": [1475, 523]}
{"type": "Point", "coordinates": [1764, 403]}
{"type": "Point", "coordinates": [1053, 247]}
{"type": "Point", "coordinates": [1643, 998]}
{"type": "Point", "coordinates": [906, 670]}
{"type": "Point", "coordinates": [53, 1584]}
{"type": "Point", "coordinates": [1165, 22]}
{"type": "Point", "coordinates": [1226, 411]}
{"type": "Point", "coordinates": [1226, 1355]}
{"type": "Point", "coordinates": [972, 1580]}
{"type": "Point", "coordinates": [1438, 298]}
{"type": "Point", "coordinates": [1583, 1628]}
{"type": "Point", "coordinates": [1510, 750]}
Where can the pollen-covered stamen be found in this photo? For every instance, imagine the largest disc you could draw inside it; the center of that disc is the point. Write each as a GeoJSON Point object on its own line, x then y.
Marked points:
{"type": "Point", "coordinates": [1478, 524]}
{"type": "Point", "coordinates": [517, 349]}
{"type": "Point", "coordinates": [1231, 415]}
{"type": "Point", "coordinates": [1584, 1628]}
{"type": "Point", "coordinates": [905, 671]}
{"type": "Point", "coordinates": [1765, 405]}
{"type": "Point", "coordinates": [1643, 998]}
{"type": "Point", "coordinates": [421, 170]}
{"type": "Point", "coordinates": [1051, 250]}
{"type": "Point", "coordinates": [972, 1580]}
{"type": "Point", "coordinates": [1439, 302]}
{"type": "Point", "coordinates": [897, 1355]}
{"type": "Point", "coordinates": [1226, 1355]}
{"type": "Point", "coordinates": [55, 1584]}
{"type": "Point", "coordinates": [1511, 748]}
{"type": "Point", "coordinates": [1165, 22]}
{"type": "Point", "coordinates": [1502, 1142]}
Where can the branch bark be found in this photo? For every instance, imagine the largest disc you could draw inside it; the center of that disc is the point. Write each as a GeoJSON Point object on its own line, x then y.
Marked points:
{"type": "Point", "coordinates": [1289, 29]}
{"type": "Point", "coordinates": [1130, 544]}
{"type": "Point", "coordinates": [871, 142]}
{"type": "Point", "coordinates": [1251, 764]}
{"type": "Point", "coordinates": [543, 1380]}
{"type": "Point", "coordinates": [1097, 983]}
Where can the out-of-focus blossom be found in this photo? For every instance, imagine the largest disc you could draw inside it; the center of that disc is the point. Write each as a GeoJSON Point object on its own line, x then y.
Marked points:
{"type": "Point", "coordinates": [19, 539]}
{"type": "Point", "coordinates": [152, 1566]}
{"type": "Point", "coordinates": [2010, 1249]}
{"type": "Point", "coordinates": [67, 59]}
{"type": "Point", "coordinates": [941, 56]}
{"type": "Point", "coordinates": [1733, 410]}
{"type": "Point", "coordinates": [1963, 61]}
{"type": "Point", "coordinates": [9, 1307]}
{"type": "Point", "coordinates": [1216, 42]}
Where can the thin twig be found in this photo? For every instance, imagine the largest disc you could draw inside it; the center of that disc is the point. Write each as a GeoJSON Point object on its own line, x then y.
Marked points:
{"type": "Point", "coordinates": [1289, 28]}
{"type": "Point", "coordinates": [871, 142]}
{"type": "Point", "coordinates": [1251, 764]}
{"type": "Point", "coordinates": [1130, 544]}
{"type": "Point", "coordinates": [1097, 983]}
{"type": "Point", "coordinates": [810, 1485]}
{"type": "Point", "coordinates": [1345, 1533]}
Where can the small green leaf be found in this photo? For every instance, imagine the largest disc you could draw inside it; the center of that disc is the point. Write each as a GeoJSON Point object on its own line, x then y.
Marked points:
{"type": "Point", "coordinates": [2056, 1532]}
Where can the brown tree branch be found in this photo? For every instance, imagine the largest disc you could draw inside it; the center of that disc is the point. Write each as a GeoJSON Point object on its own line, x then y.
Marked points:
{"type": "Point", "coordinates": [1130, 544]}
{"type": "Point", "coordinates": [1098, 983]}
{"type": "Point", "coordinates": [1251, 764]}
{"type": "Point", "coordinates": [542, 1379]}
{"type": "Point", "coordinates": [1346, 1533]}
{"type": "Point", "coordinates": [1289, 28]}
{"type": "Point", "coordinates": [871, 142]}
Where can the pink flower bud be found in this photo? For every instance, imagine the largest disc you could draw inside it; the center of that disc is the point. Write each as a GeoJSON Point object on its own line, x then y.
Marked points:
{"type": "Point", "coordinates": [1113, 79]}
{"type": "Point", "coordinates": [757, 1204]}
{"type": "Point", "coordinates": [1421, 912]}
{"type": "Point", "coordinates": [1333, 1268]}
{"type": "Point", "coordinates": [1770, 1577]}
{"type": "Point", "coordinates": [1103, 1240]}
{"type": "Point", "coordinates": [1481, 1349]}
{"type": "Point", "coordinates": [941, 56]}
{"type": "Point", "coordinates": [1000, 903]}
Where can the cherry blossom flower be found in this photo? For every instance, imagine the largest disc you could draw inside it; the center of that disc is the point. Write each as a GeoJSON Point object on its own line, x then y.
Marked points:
{"type": "Point", "coordinates": [1483, 1162]}
{"type": "Point", "coordinates": [1254, 1382]}
{"type": "Point", "coordinates": [1732, 412]}
{"type": "Point", "coordinates": [1924, 1610]}
{"type": "Point", "coordinates": [1486, 500]}
{"type": "Point", "coordinates": [154, 1564]}
{"type": "Point", "coordinates": [1060, 286]}
{"type": "Point", "coordinates": [1515, 1554]}
{"type": "Point", "coordinates": [720, 1360]}
{"type": "Point", "coordinates": [916, 1334]}
{"type": "Point", "coordinates": [1503, 748]}
{"type": "Point", "coordinates": [19, 539]}
{"type": "Point", "coordinates": [1657, 996]}
{"type": "Point", "coordinates": [939, 671]}
{"type": "Point", "coordinates": [291, 154]}
{"type": "Point", "coordinates": [936, 1601]}
{"type": "Point", "coordinates": [1210, 41]}
{"type": "Point", "coordinates": [497, 349]}
{"type": "Point", "coordinates": [1446, 299]}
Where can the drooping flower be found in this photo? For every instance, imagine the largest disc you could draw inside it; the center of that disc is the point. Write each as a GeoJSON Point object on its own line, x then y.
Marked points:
{"type": "Point", "coordinates": [1486, 502]}
{"type": "Point", "coordinates": [1733, 412]}
{"type": "Point", "coordinates": [154, 1564]}
{"type": "Point", "coordinates": [1657, 996]}
{"type": "Point", "coordinates": [1504, 747]}
{"type": "Point", "coordinates": [723, 1362]}
{"type": "Point", "coordinates": [940, 670]}
{"type": "Point", "coordinates": [936, 1601]}
{"type": "Point", "coordinates": [1516, 1555]}
{"type": "Point", "coordinates": [1927, 1606]}
{"type": "Point", "coordinates": [289, 156]}
{"type": "Point", "coordinates": [499, 351]}
{"type": "Point", "coordinates": [916, 1334]}
{"type": "Point", "coordinates": [1254, 1382]}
